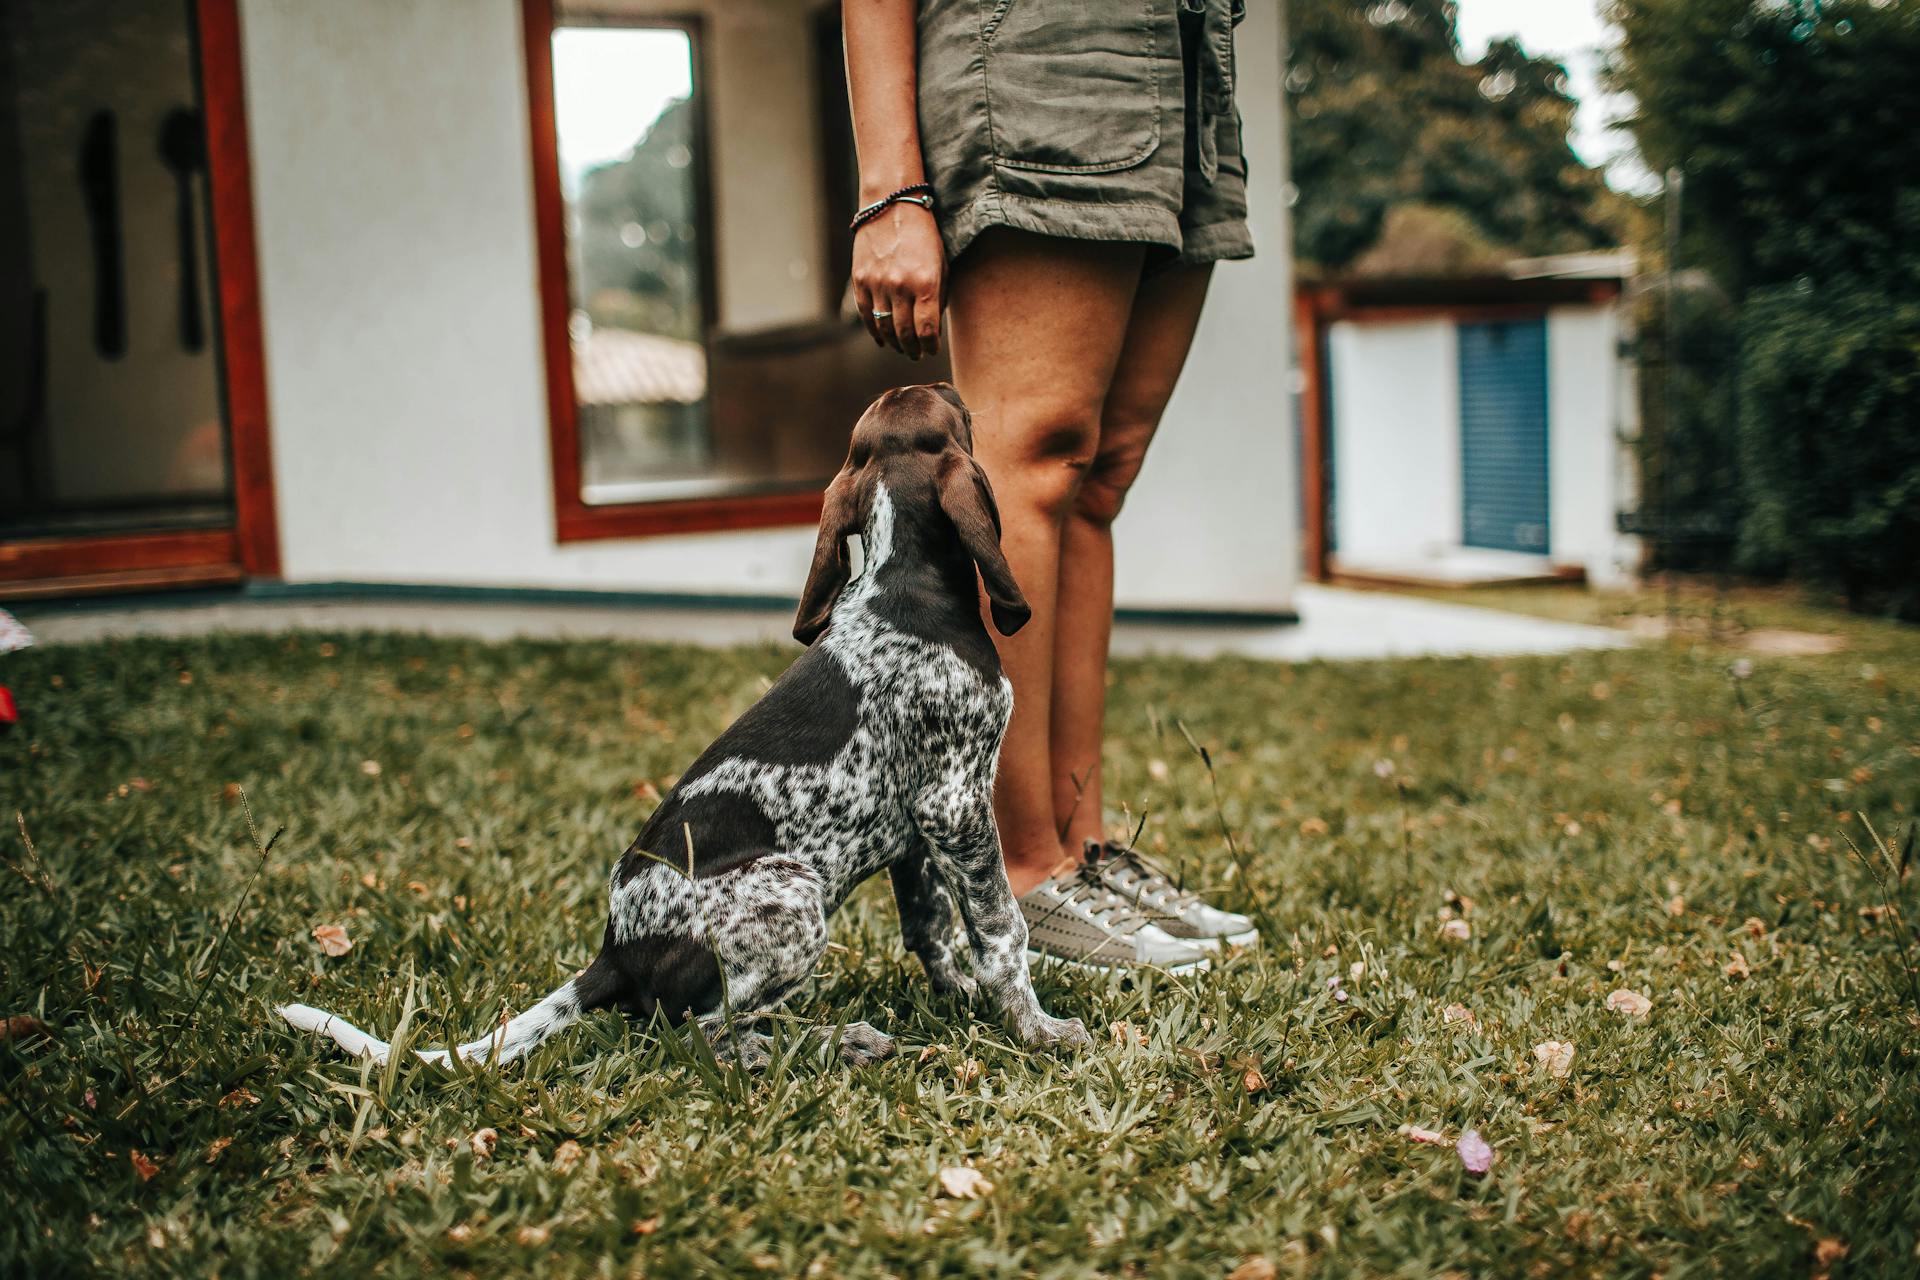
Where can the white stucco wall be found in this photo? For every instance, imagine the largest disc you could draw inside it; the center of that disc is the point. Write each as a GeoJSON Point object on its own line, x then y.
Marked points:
{"type": "Point", "coordinates": [1586, 460]}
{"type": "Point", "coordinates": [1396, 437]}
{"type": "Point", "coordinates": [394, 211]}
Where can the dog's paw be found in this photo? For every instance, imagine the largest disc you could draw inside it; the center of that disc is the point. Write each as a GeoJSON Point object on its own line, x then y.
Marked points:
{"type": "Point", "coordinates": [1068, 1032]}
{"type": "Point", "coordinates": [953, 982]}
{"type": "Point", "coordinates": [861, 1044]}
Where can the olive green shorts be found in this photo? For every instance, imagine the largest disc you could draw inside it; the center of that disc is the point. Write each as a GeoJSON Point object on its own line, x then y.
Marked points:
{"type": "Point", "coordinates": [1091, 119]}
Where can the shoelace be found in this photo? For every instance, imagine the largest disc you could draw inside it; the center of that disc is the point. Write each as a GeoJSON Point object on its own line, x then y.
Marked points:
{"type": "Point", "coordinates": [1140, 876]}
{"type": "Point", "coordinates": [1090, 891]}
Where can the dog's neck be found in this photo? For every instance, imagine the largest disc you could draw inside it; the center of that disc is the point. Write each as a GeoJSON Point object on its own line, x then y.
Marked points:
{"type": "Point", "coordinates": [916, 573]}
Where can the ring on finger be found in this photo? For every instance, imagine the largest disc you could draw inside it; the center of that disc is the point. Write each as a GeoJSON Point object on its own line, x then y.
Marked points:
{"type": "Point", "coordinates": [881, 315]}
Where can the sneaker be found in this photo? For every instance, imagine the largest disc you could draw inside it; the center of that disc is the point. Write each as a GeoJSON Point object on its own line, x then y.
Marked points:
{"type": "Point", "coordinates": [1079, 919]}
{"type": "Point", "coordinates": [1145, 883]}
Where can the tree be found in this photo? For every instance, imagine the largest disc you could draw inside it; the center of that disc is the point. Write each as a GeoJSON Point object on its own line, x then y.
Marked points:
{"type": "Point", "coordinates": [1385, 117]}
{"type": "Point", "coordinates": [1793, 125]}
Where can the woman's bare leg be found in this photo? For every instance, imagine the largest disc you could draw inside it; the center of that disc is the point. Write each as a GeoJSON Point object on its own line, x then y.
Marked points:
{"type": "Point", "coordinates": [1166, 310]}
{"type": "Point", "coordinates": [1037, 326]}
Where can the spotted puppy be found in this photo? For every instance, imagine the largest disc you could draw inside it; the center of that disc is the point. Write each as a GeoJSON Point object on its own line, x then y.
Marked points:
{"type": "Point", "coordinates": [875, 749]}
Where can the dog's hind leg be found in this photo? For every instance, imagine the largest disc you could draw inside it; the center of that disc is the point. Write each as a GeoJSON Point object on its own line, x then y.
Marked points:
{"type": "Point", "coordinates": [767, 927]}
{"type": "Point", "coordinates": [927, 921]}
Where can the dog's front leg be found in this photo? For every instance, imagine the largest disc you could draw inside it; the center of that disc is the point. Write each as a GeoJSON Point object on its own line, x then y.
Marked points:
{"type": "Point", "coordinates": [926, 921]}
{"type": "Point", "coordinates": [957, 821]}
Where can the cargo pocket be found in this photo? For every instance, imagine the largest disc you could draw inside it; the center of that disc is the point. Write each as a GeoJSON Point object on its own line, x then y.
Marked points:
{"type": "Point", "coordinates": [1066, 95]}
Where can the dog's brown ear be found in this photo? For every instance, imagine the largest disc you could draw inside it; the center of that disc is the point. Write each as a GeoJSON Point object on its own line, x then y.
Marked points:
{"type": "Point", "coordinates": [967, 499]}
{"type": "Point", "coordinates": [842, 514]}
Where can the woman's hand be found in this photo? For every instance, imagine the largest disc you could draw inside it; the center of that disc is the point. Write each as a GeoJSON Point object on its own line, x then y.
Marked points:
{"type": "Point", "coordinates": [899, 279]}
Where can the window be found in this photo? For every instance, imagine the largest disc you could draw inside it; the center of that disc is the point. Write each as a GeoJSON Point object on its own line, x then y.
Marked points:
{"type": "Point", "coordinates": [703, 365]}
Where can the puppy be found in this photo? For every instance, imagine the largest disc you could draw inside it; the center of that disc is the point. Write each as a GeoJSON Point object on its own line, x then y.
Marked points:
{"type": "Point", "coordinates": [875, 750]}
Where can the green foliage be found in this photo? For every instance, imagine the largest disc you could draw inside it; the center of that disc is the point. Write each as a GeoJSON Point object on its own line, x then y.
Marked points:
{"type": "Point", "coordinates": [1383, 114]}
{"type": "Point", "coordinates": [1572, 800]}
{"type": "Point", "coordinates": [1830, 437]}
{"type": "Point", "coordinates": [636, 242]}
{"type": "Point", "coordinates": [1794, 128]}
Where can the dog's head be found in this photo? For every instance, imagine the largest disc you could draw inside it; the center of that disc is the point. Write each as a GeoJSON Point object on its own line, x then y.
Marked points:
{"type": "Point", "coordinates": [918, 441]}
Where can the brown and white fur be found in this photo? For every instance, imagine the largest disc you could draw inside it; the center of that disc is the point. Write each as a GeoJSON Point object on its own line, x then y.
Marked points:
{"type": "Point", "coordinates": [875, 750]}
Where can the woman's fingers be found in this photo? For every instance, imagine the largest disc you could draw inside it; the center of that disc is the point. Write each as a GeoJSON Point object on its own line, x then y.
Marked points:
{"type": "Point", "coordinates": [906, 337]}
{"type": "Point", "coordinates": [926, 316]}
{"type": "Point", "coordinates": [864, 304]}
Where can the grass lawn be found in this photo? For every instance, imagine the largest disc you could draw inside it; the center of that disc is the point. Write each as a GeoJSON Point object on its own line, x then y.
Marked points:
{"type": "Point", "coordinates": [1548, 831]}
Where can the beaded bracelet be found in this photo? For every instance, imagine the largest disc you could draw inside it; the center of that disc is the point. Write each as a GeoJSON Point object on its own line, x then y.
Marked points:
{"type": "Point", "coordinates": [920, 193]}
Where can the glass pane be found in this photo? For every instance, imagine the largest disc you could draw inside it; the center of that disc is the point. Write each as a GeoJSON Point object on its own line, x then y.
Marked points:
{"type": "Point", "coordinates": [110, 412]}
{"type": "Point", "coordinates": [625, 114]}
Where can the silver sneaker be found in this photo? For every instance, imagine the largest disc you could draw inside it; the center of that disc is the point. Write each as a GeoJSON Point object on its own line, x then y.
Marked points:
{"type": "Point", "coordinates": [1080, 920]}
{"type": "Point", "coordinates": [1143, 882]}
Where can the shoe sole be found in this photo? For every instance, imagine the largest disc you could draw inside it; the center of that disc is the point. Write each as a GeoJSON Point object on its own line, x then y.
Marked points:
{"type": "Point", "coordinates": [1201, 965]}
{"type": "Point", "coordinates": [1250, 938]}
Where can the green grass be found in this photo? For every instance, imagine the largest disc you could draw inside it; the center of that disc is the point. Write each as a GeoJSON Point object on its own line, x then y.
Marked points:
{"type": "Point", "coordinates": [1617, 820]}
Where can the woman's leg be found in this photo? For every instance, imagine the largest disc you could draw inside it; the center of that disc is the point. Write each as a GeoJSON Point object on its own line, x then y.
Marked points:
{"type": "Point", "coordinates": [1037, 326]}
{"type": "Point", "coordinates": [1165, 312]}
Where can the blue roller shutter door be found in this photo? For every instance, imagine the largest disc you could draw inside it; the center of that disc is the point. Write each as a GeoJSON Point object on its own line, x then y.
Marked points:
{"type": "Point", "coordinates": [1503, 435]}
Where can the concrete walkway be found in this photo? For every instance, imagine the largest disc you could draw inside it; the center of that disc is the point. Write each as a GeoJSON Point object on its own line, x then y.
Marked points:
{"type": "Point", "coordinates": [1334, 624]}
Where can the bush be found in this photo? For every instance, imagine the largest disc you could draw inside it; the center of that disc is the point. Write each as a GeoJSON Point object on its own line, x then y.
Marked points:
{"type": "Point", "coordinates": [1829, 420]}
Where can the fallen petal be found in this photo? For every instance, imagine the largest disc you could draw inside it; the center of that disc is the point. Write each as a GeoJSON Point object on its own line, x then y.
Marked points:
{"type": "Point", "coordinates": [1556, 1056]}
{"type": "Point", "coordinates": [964, 1183]}
{"type": "Point", "coordinates": [333, 939]}
{"type": "Point", "coordinates": [1417, 1134]}
{"type": "Point", "coordinates": [1631, 1003]}
{"type": "Point", "coordinates": [1476, 1157]}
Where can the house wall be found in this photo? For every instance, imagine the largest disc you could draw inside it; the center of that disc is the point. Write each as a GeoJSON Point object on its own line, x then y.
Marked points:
{"type": "Point", "coordinates": [1396, 438]}
{"type": "Point", "coordinates": [393, 204]}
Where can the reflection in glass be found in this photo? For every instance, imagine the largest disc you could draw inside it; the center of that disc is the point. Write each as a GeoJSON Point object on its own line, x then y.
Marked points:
{"type": "Point", "coordinates": [628, 132]}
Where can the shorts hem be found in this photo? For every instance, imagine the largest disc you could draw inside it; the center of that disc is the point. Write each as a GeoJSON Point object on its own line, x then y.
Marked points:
{"type": "Point", "coordinates": [1068, 219]}
{"type": "Point", "coordinates": [1218, 242]}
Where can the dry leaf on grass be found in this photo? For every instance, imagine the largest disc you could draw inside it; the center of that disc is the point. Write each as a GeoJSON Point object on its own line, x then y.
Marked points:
{"type": "Point", "coordinates": [1417, 1134]}
{"type": "Point", "coordinates": [1737, 967]}
{"type": "Point", "coordinates": [567, 1156]}
{"type": "Point", "coordinates": [1458, 930]}
{"type": "Point", "coordinates": [1829, 1251]}
{"type": "Point", "coordinates": [333, 939]}
{"type": "Point", "coordinates": [532, 1235]}
{"type": "Point", "coordinates": [1631, 1003]}
{"type": "Point", "coordinates": [964, 1183]}
{"type": "Point", "coordinates": [22, 1026]}
{"type": "Point", "coordinates": [144, 1167]}
{"type": "Point", "coordinates": [483, 1142]}
{"type": "Point", "coordinates": [217, 1146]}
{"type": "Point", "coordinates": [1556, 1056]}
{"type": "Point", "coordinates": [1255, 1266]}
{"type": "Point", "coordinates": [1457, 1013]}
{"type": "Point", "coordinates": [1476, 1157]}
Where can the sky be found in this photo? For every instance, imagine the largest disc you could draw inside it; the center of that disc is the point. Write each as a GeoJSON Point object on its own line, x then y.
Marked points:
{"type": "Point", "coordinates": [1570, 30]}
{"type": "Point", "coordinates": [609, 84]}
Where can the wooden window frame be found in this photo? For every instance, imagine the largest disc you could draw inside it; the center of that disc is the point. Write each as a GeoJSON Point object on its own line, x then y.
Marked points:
{"type": "Point", "coordinates": [575, 520]}
{"type": "Point", "coordinates": [249, 546]}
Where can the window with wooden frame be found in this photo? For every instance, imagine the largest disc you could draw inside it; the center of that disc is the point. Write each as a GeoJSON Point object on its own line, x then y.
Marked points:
{"type": "Point", "coordinates": [666, 413]}
{"type": "Point", "coordinates": [133, 434]}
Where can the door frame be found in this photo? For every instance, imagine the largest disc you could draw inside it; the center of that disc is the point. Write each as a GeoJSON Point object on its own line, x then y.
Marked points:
{"type": "Point", "coordinates": [248, 546]}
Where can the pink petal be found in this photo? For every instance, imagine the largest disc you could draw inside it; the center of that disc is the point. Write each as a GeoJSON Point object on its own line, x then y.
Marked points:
{"type": "Point", "coordinates": [1475, 1155]}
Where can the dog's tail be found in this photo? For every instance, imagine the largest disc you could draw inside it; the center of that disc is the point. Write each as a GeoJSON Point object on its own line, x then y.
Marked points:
{"type": "Point", "coordinates": [591, 989]}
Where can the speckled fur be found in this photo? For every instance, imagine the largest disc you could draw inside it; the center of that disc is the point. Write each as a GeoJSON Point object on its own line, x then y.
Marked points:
{"type": "Point", "coordinates": [719, 910]}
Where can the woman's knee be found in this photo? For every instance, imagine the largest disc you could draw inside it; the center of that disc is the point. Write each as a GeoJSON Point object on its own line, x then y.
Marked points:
{"type": "Point", "coordinates": [1042, 459]}
{"type": "Point", "coordinates": [1110, 475]}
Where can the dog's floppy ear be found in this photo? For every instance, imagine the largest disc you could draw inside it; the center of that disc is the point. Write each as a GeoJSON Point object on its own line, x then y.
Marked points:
{"type": "Point", "coordinates": [967, 499]}
{"type": "Point", "coordinates": [842, 514]}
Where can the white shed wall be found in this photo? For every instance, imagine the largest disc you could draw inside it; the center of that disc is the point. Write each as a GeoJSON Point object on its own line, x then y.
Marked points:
{"type": "Point", "coordinates": [393, 204]}
{"type": "Point", "coordinates": [1396, 437]}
